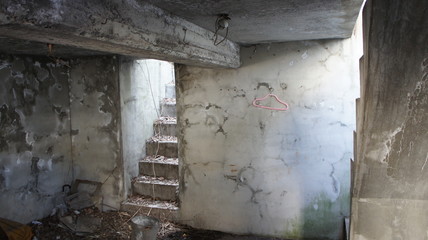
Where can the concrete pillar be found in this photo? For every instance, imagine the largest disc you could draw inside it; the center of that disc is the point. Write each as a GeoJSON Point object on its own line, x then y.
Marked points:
{"type": "Point", "coordinates": [390, 192]}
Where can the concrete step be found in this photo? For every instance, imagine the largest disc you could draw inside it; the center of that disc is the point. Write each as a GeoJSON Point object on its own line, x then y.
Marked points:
{"type": "Point", "coordinates": [162, 210]}
{"type": "Point", "coordinates": [168, 108]}
{"type": "Point", "coordinates": [170, 90]}
{"type": "Point", "coordinates": [162, 145]}
{"type": "Point", "coordinates": [166, 126]}
{"type": "Point", "coordinates": [156, 188]}
{"type": "Point", "coordinates": [159, 166]}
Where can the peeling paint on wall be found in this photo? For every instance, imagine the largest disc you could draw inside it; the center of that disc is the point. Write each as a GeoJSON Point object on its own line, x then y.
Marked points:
{"type": "Point", "coordinates": [34, 142]}
{"type": "Point", "coordinates": [95, 107]}
{"type": "Point", "coordinates": [57, 124]}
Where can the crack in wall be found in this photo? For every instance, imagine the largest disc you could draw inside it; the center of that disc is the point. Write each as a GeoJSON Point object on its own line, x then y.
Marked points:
{"type": "Point", "coordinates": [334, 181]}
{"type": "Point", "coordinates": [242, 181]}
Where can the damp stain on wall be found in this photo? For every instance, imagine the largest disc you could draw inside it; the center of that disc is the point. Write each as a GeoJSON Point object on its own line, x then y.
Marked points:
{"type": "Point", "coordinates": [34, 135]}
{"type": "Point", "coordinates": [57, 124]}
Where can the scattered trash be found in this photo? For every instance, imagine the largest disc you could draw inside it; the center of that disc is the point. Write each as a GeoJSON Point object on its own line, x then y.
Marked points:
{"type": "Point", "coordinates": [60, 209]}
{"type": "Point", "coordinates": [81, 225]}
{"type": "Point", "coordinates": [144, 228]}
{"type": "Point", "coordinates": [116, 225]}
{"type": "Point", "coordinates": [84, 194]}
{"type": "Point", "coordinates": [59, 201]}
{"type": "Point", "coordinates": [91, 223]}
{"type": "Point", "coordinates": [36, 223]}
{"type": "Point", "coordinates": [79, 200]}
{"type": "Point", "coordinates": [14, 230]}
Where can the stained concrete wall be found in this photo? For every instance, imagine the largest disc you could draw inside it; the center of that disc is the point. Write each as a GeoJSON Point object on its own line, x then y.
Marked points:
{"type": "Point", "coordinates": [390, 186]}
{"type": "Point", "coordinates": [35, 153]}
{"type": "Point", "coordinates": [58, 123]}
{"type": "Point", "coordinates": [142, 87]}
{"type": "Point", "coordinates": [251, 170]}
{"type": "Point", "coordinates": [95, 125]}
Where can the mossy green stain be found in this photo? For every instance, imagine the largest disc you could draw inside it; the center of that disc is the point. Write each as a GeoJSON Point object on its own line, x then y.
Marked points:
{"type": "Point", "coordinates": [294, 229]}
{"type": "Point", "coordinates": [321, 223]}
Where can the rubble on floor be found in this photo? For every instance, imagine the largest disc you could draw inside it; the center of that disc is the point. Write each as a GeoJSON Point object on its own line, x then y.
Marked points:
{"type": "Point", "coordinates": [116, 225]}
{"type": "Point", "coordinates": [88, 223]}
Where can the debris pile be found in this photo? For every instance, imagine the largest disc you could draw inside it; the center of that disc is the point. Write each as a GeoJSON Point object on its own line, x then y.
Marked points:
{"type": "Point", "coordinates": [116, 225]}
{"type": "Point", "coordinates": [89, 223]}
{"type": "Point", "coordinates": [77, 216]}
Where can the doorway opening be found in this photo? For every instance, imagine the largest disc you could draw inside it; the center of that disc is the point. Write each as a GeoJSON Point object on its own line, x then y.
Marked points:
{"type": "Point", "coordinates": [149, 119]}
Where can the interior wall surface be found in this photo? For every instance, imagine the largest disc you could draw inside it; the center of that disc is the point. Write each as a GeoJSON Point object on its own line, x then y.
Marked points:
{"type": "Point", "coordinates": [390, 186]}
{"type": "Point", "coordinates": [35, 144]}
{"type": "Point", "coordinates": [96, 126]}
{"type": "Point", "coordinates": [250, 170]}
{"type": "Point", "coordinates": [142, 87]}
{"type": "Point", "coordinates": [59, 123]}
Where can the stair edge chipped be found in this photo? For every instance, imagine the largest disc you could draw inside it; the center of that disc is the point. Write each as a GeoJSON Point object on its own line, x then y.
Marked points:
{"type": "Point", "coordinates": [170, 206]}
{"type": "Point", "coordinates": [168, 162]}
{"type": "Point", "coordinates": [153, 139]}
{"type": "Point", "coordinates": [165, 123]}
{"type": "Point", "coordinates": [166, 120]}
{"type": "Point", "coordinates": [160, 213]}
{"type": "Point", "coordinates": [155, 181]}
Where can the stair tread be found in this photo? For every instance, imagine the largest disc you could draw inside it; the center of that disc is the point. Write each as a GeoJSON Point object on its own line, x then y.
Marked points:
{"type": "Point", "coordinates": [148, 202]}
{"type": "Point", "coordinates": [160, 160]}
{"type": "Point", "coordinates": [162, 138]}
{"type": "Point", "coordinates": [166, 120]}
{"type": "Point", "coordinates": [169, 101]}
{"type": "Point", "coordinates": [156, 181]}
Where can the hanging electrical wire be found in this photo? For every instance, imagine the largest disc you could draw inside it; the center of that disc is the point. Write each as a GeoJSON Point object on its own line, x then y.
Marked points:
{"type": "Point", "coordinates": [221, 23]}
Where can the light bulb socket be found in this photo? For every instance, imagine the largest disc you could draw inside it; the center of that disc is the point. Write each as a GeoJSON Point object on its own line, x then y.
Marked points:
{"type": "Point", "coordinates": [222, 21]}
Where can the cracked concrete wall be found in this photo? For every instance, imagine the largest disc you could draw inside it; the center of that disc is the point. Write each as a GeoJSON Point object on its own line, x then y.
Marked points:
{"type": "Point", "coordinates": [35, 153]}
{"type": "Point", "coordinates": [57, 124]}
{"type": "Point", "coordinates": [96, 123]}
{"type": "Point", "coordinates": [251, 170]}
{"type": "Point", "coordinates": [138, 80]}
{"type": "Point", "coordinates": [390, 186]}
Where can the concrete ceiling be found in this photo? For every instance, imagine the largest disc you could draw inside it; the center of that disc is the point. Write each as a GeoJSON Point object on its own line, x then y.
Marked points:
{"type": "Point", "coordinates": [262, 21]}
{"type": "Point", "coordinates": [252, 22]}
{"type": "Point", "coordinates": [24, 47]}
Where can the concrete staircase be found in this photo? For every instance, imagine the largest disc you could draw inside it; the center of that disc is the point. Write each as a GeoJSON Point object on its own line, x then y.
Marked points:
{"type": "Point", "coordinates": [155, 189]}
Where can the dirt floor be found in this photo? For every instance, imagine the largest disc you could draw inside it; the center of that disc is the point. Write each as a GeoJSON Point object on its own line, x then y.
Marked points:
{"type": "Point", "coordinates": [116, 226]}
